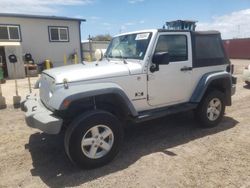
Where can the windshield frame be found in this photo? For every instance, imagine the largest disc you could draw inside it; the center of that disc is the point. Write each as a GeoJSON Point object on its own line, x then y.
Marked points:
{"type": "Point", "coordinates": [121, 56]}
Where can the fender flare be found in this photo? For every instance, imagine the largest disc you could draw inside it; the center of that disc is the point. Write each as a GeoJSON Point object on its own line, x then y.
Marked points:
{"type": "Point", "coordinates": [206, 80]}
{"type": "Point", "coordinates": [77, 92]}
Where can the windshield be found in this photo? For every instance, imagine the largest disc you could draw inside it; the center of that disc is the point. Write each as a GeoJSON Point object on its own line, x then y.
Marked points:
{"type": "Point", "coordinates": [132, 46]}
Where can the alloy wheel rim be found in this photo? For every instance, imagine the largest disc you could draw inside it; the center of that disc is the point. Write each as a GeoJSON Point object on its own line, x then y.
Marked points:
{"type": "Point", "coordinates": [214, 109]}
{"type": "Point", "coordinates": [97, 141]}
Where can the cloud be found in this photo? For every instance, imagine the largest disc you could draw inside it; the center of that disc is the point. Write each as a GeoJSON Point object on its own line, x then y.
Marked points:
{"type": "Point", "coordinates": [79, 16]}
{"type": "Point", "coordinates": [106, 24]}
{"type": "Point", "coordinates": [125, 26]}
{"type": "Point", "coordinates": [141, 21]}
{"type": "Point", "coordinates": [38, 6]}
{"type": "Point", "coordinates": [95, 18]}
{"type": "Point", "coordinates": [129, 23]}
{"type": "Point", "coordinates": [233, 25]}
{"type": "Point", "coordinates": [135, 1]}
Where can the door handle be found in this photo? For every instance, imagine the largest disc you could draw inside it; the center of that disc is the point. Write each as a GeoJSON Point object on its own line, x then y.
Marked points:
{"type": "Point", "coordinates": [186, 68]}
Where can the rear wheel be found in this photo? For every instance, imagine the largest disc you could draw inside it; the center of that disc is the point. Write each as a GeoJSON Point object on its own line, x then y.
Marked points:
{"type": "Point", "coordinates": [93, 139]}
{"type": "Point", "coordinates": [211, 109]}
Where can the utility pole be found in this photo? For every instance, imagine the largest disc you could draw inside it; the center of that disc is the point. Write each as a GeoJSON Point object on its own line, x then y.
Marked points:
{"type": "Point", "coordinates": [90, 48]}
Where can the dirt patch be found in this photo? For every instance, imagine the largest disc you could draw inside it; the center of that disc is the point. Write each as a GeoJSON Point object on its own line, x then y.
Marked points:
{"type": "Point", "coordinates": [168, 152]}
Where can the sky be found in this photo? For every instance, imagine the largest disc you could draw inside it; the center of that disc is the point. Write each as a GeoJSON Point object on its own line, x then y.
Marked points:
{"type": "Point", "coordinates": [230, 17]}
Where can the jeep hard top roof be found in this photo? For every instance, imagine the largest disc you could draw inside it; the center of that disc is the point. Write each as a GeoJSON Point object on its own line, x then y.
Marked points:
{"type": "Point", "coordinates": [211, 32]}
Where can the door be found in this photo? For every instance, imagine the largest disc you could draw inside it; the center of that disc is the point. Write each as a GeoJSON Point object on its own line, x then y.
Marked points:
{"type": "Point", "coordinates": [16, 50]}
{"type": "Point", "coordinates": [171, 83]}
{"type": "Point", "coordinates": [3, 61]}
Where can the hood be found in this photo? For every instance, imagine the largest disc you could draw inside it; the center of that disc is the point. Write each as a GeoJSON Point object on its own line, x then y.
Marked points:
{"type": "Point", "coordinates": [93, 70]}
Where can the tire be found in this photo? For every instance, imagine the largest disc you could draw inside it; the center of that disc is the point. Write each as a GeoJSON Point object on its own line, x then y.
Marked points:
{"type": "Point", "coordinates": [88, 130]}
{"type": "Point", "coordinates": [211, 109]}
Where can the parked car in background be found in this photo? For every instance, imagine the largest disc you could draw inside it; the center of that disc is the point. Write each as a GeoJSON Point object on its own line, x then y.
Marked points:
{"type": "Point", "coordinates": [246, 75]}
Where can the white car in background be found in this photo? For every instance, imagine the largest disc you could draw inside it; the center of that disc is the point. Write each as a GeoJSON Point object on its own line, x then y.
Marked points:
{"type": "Point", "coordinates": [246, 75]}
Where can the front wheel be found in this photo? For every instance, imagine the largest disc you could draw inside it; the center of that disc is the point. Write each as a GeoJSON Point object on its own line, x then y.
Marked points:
{"type": "Point", "coordinates": [211, 109]}
{"type": "Point", "coordinates": [93, 139]}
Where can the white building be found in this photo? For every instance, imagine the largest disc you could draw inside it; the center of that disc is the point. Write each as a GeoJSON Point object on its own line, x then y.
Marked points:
{"type": "Point", "coordinates": [44, 37]}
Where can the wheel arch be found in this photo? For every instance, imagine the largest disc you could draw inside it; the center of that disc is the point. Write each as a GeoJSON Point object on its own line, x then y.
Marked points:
{"type": "Point", "coordinates": [111, 99]}
{"type": "Point", "coordinates": [221, 81]}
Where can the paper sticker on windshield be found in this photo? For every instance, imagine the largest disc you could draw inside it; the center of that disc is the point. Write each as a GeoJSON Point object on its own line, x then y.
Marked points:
{"type": "Point", "coordinates": [142, 36]}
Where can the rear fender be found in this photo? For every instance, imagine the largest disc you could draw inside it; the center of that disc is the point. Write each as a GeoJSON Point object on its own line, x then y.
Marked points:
{"type": "Point", "coordinates": [207, 80]}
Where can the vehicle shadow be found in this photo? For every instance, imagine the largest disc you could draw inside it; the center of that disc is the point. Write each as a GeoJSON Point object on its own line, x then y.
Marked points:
{"type": "Point", "coordinates": [55, 170]}
{"type": "Point", "coordinates": [247, 86]}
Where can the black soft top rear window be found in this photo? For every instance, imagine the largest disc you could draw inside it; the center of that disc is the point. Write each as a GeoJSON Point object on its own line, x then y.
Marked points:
{"type": "Point", "coordinates": [208, 50]}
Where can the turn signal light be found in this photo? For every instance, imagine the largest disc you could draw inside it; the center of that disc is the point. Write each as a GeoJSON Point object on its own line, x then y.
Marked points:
{"type": "Point", "coordinates": [66, 103]}
{"type": "Point", "coordinates": [230, 68]}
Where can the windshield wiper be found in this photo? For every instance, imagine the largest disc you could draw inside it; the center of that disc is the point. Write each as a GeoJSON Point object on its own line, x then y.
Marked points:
{"type": "Point", "coordinates": [106, 56]}
{"type": "Point", "coordinates": [123, 59]}
{"type": "Point", "coordinates": [119, 57]}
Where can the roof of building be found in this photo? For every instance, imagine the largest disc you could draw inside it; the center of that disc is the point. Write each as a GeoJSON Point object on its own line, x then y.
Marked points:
{"type": "Point", "coordinates": [40, 17]}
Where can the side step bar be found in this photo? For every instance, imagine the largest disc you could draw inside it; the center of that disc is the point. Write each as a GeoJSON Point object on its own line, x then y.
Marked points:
{"type": "Point", "coordinates": [157, 113]}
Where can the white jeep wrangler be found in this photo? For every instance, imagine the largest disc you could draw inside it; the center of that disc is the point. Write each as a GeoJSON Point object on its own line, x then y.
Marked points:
{"type": "Point", "coordinates": [143, 75]}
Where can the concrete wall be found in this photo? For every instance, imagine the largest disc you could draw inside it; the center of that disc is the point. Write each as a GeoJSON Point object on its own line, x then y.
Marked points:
{"type": "Point", "coordinates": [35, 38]}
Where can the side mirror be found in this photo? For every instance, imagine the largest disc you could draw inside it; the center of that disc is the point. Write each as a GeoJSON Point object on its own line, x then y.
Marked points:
{"type": "Point", "coordinates": [159, 58]}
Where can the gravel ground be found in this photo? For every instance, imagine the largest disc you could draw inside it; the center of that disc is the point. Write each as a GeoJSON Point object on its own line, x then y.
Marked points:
{"type": "Point", "coordinates": [168, 152]}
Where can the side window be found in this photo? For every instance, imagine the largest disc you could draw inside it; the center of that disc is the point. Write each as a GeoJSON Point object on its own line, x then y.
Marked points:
{"type": "Point", "coordinates": [58, 34]}
{"type": "Point", "coordinates": [10, 33]}
{"type": "Point", "coordinates": [208, 47]}
{"type": "Point", "coordinates": [208, 51]}
{"type": "Point", "coordinates": [175, 45]}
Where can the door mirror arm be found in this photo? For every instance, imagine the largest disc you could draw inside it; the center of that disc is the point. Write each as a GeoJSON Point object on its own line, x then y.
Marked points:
{"type": "Point", "coordinates": [154, 67]}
